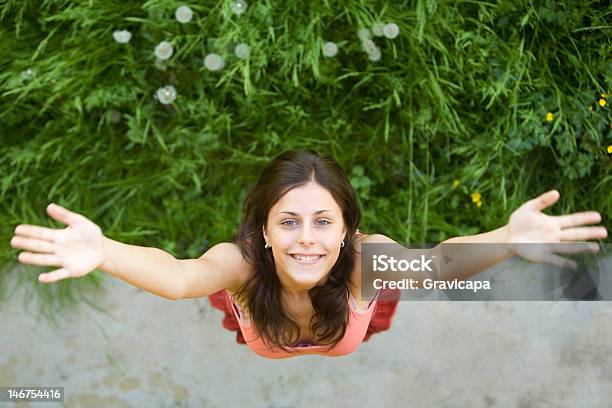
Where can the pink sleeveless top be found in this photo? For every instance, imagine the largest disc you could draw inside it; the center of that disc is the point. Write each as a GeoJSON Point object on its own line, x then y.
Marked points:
{"type": "Point", "coordinates": [356, 329]}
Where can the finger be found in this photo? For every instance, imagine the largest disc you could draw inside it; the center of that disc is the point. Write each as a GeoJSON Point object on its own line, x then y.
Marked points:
{"type": "Point", "coordinates": [543, 201]}
{"type": "Point", "coordinates": [583, 233]}
{"type": "Point", "coordinates": [581, 218]}
{"type": "Point", "coordinates": [32, 244]}
{"type": "Point", "coordinates": [575, 247]}
{"type": "Point", "coordinates": [34, 231]}
{"type": "Point", "coordinates": [38, 259]}
{"type": "Point", "coordinates": [560, 261]}
{"type": "Point", "coordinates": [61, 214]}
{"type": "Point", "coordinates": [53, 276]}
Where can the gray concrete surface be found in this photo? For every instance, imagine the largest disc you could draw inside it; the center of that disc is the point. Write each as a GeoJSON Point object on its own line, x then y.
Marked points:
{"type": "Point", "coordinates": [146, 351]}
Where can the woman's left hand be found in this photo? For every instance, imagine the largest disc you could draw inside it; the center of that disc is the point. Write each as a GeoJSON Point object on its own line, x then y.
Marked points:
{"type": "Point", "coordinates": [529, 225]}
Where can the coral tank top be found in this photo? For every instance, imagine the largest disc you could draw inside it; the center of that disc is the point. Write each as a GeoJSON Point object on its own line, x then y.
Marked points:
{"type": "Point", "coordinates": [356, 329]}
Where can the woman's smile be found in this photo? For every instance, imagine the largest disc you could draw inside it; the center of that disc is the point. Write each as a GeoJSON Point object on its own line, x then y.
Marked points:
{"type": "Point", "coordinates": [306, 259]}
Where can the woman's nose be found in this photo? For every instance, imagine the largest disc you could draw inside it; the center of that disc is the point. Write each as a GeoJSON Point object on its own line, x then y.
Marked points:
{"type": "Point", "coordinates": [307, 236]}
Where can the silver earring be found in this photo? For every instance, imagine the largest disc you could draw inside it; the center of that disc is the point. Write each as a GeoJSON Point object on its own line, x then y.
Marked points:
{"type": "Point", "coordinates": [342, 244]}
{"type": "Point", "coordinates": [267, 245]}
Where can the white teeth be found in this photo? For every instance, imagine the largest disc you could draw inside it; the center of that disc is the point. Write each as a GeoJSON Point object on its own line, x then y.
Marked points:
{"type": "Point", "coordinates": [306, 258]}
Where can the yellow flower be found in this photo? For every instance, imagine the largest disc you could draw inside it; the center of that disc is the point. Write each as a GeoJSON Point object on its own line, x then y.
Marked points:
{"type": "Point", "coordinates": [455, 183]}
{"type": "Point", "coordinates": [550, 117]}
{"type": "Point", "coordinates": [604, 95]}
{"type": "Point", "coordinates": [475, 197]}
{"type": "Point", "coordinates": [610, 149]}
{"type": "Point", "coordinates": [479, 204]}
{"type": "Point", "coordinates": [602, 102]}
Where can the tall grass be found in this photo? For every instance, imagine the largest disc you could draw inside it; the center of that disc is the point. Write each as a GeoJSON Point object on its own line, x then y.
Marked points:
{"type": "Point", "coordinates": [457, 104]}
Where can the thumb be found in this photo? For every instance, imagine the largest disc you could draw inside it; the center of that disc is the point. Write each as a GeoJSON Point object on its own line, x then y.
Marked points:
{"type": "Point", "coordinates": [61, 214]}
{"type": "Point", "coordinates": [545, 200]}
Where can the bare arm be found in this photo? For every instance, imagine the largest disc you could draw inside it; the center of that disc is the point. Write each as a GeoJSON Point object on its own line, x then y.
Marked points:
{"type": "Point", "coordinates": [221, 267]}
{"type": "Point", "coordinates": [473, 259]}
{"type": "Point", "coordinates": [81, 248]}
{"type": "Point", "coordinates": [151, 269]}
{"type": "Point", "coordinates": [527, 225]}
{"type": "Point", "coordinates": [158, 272]}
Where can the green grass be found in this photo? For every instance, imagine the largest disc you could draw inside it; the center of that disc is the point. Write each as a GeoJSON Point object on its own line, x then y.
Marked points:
{"type": "Point", "coordinates": [461, 94]}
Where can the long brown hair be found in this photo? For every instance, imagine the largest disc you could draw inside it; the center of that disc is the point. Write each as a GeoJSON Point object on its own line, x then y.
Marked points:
{"type": "Point", "coordinates": [261, 293]}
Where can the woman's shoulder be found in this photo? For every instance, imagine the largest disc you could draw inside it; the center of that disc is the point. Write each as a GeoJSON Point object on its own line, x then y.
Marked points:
{"type": "Point", "coordinates": [355, 278]}
{"type": "Point", "coordinates": [231, 258]}
{"type": "Point", "coordinates": [361, 238]}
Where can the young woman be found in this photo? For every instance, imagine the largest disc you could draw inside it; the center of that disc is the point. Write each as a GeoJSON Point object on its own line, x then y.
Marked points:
{"type": "Point", "coordinates": [289, 283]}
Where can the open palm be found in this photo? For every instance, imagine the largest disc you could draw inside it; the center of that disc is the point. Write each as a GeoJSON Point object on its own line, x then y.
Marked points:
{"type": "Point", "coordinates": [76, 249]}
{"type": "Point", "coordinates": [529, 225]}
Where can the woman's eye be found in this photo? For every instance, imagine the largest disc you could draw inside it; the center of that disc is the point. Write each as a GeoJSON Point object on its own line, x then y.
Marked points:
{"type": "Point", "coordinates": [292, 223]}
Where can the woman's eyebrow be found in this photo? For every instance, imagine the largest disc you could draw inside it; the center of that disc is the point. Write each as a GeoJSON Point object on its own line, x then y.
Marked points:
{"type": "Point", "coordinates": [296, 214]}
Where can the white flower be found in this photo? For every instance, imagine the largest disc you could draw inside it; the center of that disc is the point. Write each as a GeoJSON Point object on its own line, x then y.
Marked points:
{"type": "Point", "coordinates": [122, 36]}
{"type": "Point", "coordinates": [330, 49]}
{"type": "Point", "coordinates": [391, 30]}
{"type": "Point", "coordinates": [377, 29]}
{"type": "Point", "coordinates": [27, 74]}
{"type": "Point", "coordinates": [242, 51]}
{"type": "Point", "coordinates": [166, 95]}
{"type": "Point", "coordinates": [164, 50]}
{"type": "Point", "coordinates": [364, 34]}
{"type": "Point", "coordinates": [183, 14]}
{"type": "Point", "coordinates": [239, 7]}
{"type": "Point", "coordinates": [374, 55]}
{"type": "Point", "coordinates": [368, 46]}
{"type": "Point", "coordinates": [214, 62]}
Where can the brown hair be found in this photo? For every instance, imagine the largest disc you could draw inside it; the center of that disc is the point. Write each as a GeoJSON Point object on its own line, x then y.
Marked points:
{"type": "Point", "coordinates": [261, 293]}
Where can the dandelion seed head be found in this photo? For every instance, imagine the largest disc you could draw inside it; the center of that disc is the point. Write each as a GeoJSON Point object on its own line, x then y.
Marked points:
{"type": "Point", "coordinates": [364, 34]}
{"type": "Point", "coordinates": [166, 95]}
{"type": "Point", "coordinates": [330, 49]}
{"type": "Point", "coordinates": [183, 14]}
{"type": "Point", "coordinates": [391, 30]}
{"type": "Point", "coordinates": [374, 55]}
{"type": "Point", "coordinates": [164, 50]}
{"type": "Point", "coordinates": [368, 46]}
{"type": "Point", "coordinates": [122, 36]}
{"type": "Point", "coordinates": [242, 51]}
{"type": "Point", "coordinates": [239, 7]}
{"type": "Point", "coordinates": [214, 62]}
{"type": "Point", "coordinates": [378, 29]}
{"type": "Point", "coordinates": [27, 74]}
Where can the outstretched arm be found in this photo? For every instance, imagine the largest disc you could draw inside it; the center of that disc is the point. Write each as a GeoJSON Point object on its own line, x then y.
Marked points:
{"type": "Point", "coordinates": [81, 248]}
{"type": "Point", "coordinates": [527, 225]}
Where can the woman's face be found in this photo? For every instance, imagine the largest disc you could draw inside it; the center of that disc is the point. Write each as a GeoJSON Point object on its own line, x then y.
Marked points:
{"type": "Point", "coordinates": [305, 229]}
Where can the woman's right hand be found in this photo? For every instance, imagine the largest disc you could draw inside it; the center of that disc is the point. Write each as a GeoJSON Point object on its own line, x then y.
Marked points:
{"type": "Point", "coordinates": [77, 249]}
